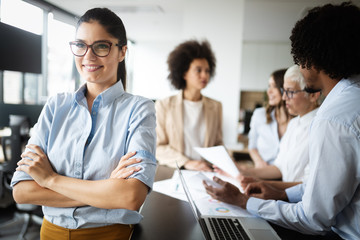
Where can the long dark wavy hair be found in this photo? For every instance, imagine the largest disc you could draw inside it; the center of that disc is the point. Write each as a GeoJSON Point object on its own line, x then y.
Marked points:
{"type": "Point", "coordinates": [114, 26]}
{"type": "Point", "coordinates": [278, 77]}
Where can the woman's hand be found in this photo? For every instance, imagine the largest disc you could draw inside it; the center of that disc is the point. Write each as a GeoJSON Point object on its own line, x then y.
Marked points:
{"type": "Point", "coordinates": [198, 165]}
{"type": "Point", "coordinates": [261, 164]}
{"type": "Point", "coordinates": [221, 172]}
{"type": "Point", "coordinates": [37, 165]}
{"type": "Point", "coordinates": [122, 170]}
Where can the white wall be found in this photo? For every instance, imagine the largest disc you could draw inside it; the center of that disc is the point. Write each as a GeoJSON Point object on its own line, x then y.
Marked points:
{"type": "Point", "coordinates": [150, 69]}
{"type": "Point", "coordinates": [260, 59]}
{"type": "Point", "coordinates": [221, 23]}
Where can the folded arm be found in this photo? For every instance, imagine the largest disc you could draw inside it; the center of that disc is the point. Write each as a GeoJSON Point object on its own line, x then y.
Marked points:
{"type": "Point", "coordinates": [32, 193]}
{"type": "Point", "coordinates": [70, 192]}
{"type": "Point", "coordinates": [109, 193]}
{"type": "Point", "coordinates": [52, 189]}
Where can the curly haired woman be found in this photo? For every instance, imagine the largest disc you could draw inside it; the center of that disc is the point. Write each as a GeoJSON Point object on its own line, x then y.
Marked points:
{"type": "Point", "coordinates": [188, 119]}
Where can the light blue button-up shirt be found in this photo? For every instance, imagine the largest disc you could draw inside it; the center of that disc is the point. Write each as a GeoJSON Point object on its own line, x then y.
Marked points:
{"type": "Point", "coordinates": [331, 197]}
{"type": "Point", "coordinates": [295, 193]}
{"type": "Point", "coordinates": [85, 145]}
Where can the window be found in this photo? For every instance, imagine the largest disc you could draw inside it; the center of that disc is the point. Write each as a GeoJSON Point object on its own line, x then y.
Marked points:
{"type": "Point", "coordinates": [21, 86]}
{"type": "Point", "coordinates": [12, 87]}
{"type": "Point", "coordinates": [32, 87]}
{"type": "Point", "coordinates": [58, 67]}
{"type": "Point", "coordinates": [13, 12]}
{"type": "Point", "coordinates": [60, 59]}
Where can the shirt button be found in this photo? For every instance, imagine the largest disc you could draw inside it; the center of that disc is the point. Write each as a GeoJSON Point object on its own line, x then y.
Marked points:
{"type": "Point", "coordinates": [78, 164]}
{"type": "Point", "coordinates": [77, 173]}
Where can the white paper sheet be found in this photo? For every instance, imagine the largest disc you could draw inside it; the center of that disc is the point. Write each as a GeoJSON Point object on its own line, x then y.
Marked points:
{"type": "Point", "coordinates": [206, 205]}
{"type": "Point", "coordinates": [219, 156]}
{"type": "Point", "coordinates": [171, 187]}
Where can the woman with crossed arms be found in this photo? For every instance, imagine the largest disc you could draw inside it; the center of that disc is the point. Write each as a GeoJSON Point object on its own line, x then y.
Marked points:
{"type": "Point", "coordinates": [71, 163]}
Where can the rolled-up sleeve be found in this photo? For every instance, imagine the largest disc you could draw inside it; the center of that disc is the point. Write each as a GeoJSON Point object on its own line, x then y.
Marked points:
{"type": "Point", "coordinates": [142, 139]}
{"type": "Point", "coordinates": [148, 168]}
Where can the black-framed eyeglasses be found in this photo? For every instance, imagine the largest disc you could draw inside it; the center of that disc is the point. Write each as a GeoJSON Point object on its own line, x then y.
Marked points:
{"type": "Point", "coordinates": [99, 48]}
{"type": "Point", "coordinates": [290, 93]}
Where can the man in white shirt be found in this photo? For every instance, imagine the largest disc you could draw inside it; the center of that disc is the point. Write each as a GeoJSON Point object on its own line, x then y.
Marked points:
{"type": "Point", "coordinates": [326, 45]}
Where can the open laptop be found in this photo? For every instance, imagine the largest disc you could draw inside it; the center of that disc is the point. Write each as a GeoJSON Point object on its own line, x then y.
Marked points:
{"type": "Point", "coordinates": [218, 227]}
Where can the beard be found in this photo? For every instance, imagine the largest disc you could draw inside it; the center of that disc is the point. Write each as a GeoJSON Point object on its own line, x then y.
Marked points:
{"type": "Point", "coordinates": [311, 90]}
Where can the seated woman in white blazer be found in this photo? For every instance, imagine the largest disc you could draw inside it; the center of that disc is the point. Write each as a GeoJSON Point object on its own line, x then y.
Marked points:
{"type": "Point", "coordinates": [188, 119]}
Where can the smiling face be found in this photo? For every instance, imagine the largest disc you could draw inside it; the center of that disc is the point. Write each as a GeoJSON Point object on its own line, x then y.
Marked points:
{"type": "Point", "coordinates": [198, 74]}
{"type": "Point", "coordinates": [98, 71]}
{"type": "Point", "coordinates": [273, 93]}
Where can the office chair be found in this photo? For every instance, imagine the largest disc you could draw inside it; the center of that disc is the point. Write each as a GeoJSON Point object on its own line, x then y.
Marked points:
{"type": "Point", "coordinates": [24, 216]}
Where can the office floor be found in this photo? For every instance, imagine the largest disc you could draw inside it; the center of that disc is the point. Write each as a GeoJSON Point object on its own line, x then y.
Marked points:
{"type": "Point", "coordinates": [12, 222]}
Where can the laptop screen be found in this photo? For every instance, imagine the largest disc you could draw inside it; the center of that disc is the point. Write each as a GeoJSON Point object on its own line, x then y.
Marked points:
{"type": "Point", "coordinates": [188, 195]}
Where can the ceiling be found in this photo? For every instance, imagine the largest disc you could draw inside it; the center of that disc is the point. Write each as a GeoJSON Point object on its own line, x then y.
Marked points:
{"type": "Point", "coordinates": [264, 20]}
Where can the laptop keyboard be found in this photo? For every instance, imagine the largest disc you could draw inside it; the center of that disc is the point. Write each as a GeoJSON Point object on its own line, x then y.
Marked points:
{"type": "Point", "coordinates": [224, 228]}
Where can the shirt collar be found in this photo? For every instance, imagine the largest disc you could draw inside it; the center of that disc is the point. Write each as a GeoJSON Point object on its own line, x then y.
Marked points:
{"type": "Point", "coordinates": [80, 94]}
{"type": "Point", "coordinates": [308, 117]}
{"type": "Point", "coordinates": [339, 87]}
{"type": "Point", "coordinates": [106, 97]}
